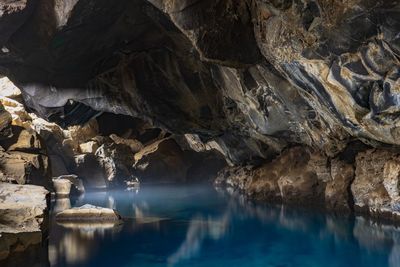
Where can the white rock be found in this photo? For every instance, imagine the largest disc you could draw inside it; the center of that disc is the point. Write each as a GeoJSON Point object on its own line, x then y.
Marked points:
{"type": "Point", "coordinates": [88, 213]}
{"type": "Point", "coordinates": [22, 207]}
{"type": "Point", "coordinates": [62, 187]}
{"type": "Point", "coordinates": [89, 147]}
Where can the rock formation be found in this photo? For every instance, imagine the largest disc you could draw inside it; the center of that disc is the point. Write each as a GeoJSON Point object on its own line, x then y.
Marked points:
{"type": "Point", "coordinates": [282, 85]}
{"type": "Point", "coordinates": [88, 213]}
{"type": "Point", "coordinates": [22, 208]}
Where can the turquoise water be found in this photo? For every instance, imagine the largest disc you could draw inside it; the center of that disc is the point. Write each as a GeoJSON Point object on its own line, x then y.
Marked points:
{"type": "Point", "coordinates": [199, 226]}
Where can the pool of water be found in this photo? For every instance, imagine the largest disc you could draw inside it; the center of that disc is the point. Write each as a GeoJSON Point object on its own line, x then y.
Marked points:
{"type": "Point", "coordinates": [201, 226]}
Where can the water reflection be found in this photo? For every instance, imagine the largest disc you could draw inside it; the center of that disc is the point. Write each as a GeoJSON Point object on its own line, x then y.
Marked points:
{"type": "Point", "coordinates": [196, 226]}
{"type": "Point", "coordinates": [199, 229]}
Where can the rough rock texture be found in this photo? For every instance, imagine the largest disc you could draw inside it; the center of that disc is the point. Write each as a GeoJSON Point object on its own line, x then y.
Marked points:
{"type": "Point", "coordinates": [88, 213]}
{"type": "Point", "coordinates": [22, 208]}
{"type": "Point", "coordinates": [62, 187]}
{"type": "Point", "coordinates": [337, 192]}
{"type": "Point", "coordinates": [298, 175]}
{"type": "Point", "coordinates": [251, 75]}
{"type": "Point", "coordinates": [23, 158]}
{"type": "Point", "coordinates": [376, 185]}
{"type": "Point", "coordinates": [250, 78]}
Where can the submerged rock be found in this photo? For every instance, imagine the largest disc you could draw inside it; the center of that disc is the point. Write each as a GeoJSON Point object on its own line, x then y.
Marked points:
{"type": "Point", "coordinates": [88, 213]}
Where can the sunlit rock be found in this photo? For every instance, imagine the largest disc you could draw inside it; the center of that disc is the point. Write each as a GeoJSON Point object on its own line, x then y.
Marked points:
{"type": "Point", "coordinates": [8, 89]}
{"type": "Point", "coordinates": [23, 208]}
{"type": "Point", "coordinates": [135, 145]}
{"type": "Point", "coordinates": [62, 187]}
{"type": "Point", "coordinates": [88, 213]}
{"type": "Point", "coordinates": [89, 147]}
{"type": "Point", "coordinates": [24, 158]}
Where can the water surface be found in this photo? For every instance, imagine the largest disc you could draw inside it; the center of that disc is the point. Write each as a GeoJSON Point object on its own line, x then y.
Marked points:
{"type": "Point", "coordinates": [199, 226]}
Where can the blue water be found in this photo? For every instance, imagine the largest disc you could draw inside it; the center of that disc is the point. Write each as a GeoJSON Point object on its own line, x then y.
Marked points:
{"type": "Point", "coordinates": [199, 226]}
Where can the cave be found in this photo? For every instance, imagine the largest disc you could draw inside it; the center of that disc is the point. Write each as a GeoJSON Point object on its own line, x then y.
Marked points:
{"type": "Point", "coordinates": [199, 133]}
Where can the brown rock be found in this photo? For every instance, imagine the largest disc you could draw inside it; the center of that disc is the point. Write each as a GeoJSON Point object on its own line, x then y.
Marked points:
{"type": "Point", "coordinates": [337, 193]}
{"type": "Point", "coordinates": [81, 134]}
{"type": "Point", "coordinates": [25, 168]}
{"type": "Point", "coordinates": [22, 208]}
{"type": "Point", "coordinates": [24, 140]}
{"type": "Point", "coordinates": [5, 123]}
{"type": "Point", "coordinates": [297, 176]}
{"type": "Point", "coordinates": [376, 185]}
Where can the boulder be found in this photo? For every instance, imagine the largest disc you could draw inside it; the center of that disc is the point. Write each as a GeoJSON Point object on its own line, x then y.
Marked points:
{"type": "Point", "coordinates": [80, 134]}
{"type": "Point", "coordinates": [23, 208]}
{"type": "Point", "coordinates": [24, 168]}
{"type": "Point", "coordinates": [64, 185]}
{"type": "Point", "coordinates": [11, 98]}
{"type": "Point", "coordinates": [88, 213]}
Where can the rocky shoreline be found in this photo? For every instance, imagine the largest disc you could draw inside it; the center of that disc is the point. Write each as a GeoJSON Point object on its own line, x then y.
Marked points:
{"type": "Point", "coordinates": [362, 183]}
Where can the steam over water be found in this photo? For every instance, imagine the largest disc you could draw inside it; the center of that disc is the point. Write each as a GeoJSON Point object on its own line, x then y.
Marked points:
{"type": "Point", "coordinates": [200, 226]}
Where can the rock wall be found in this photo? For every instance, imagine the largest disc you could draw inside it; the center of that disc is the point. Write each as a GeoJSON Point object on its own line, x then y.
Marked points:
{"type": "Point", "coordinates": [367, 182]}
{"type": "Point", "coordinates": [251, 79]}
